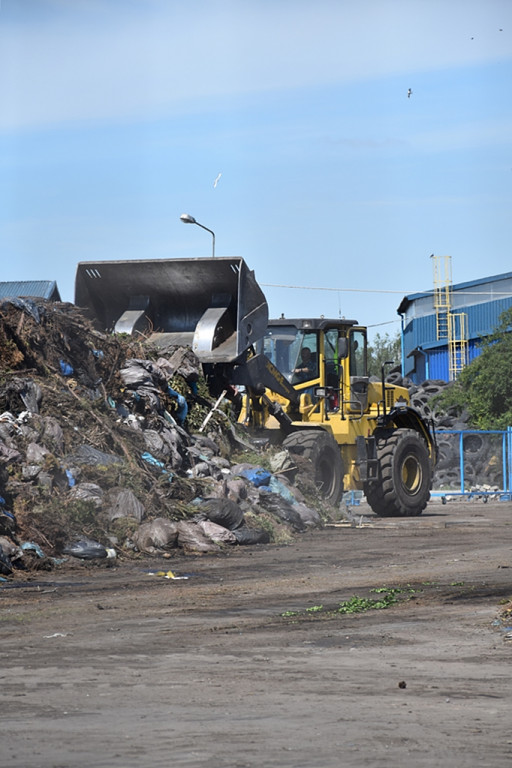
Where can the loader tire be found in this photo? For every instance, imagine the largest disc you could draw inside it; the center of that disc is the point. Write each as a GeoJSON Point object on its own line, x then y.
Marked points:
{"type": "Point", "coordinates": [404, 480]}
{"type": "Point", "coordinates": [324, 453]}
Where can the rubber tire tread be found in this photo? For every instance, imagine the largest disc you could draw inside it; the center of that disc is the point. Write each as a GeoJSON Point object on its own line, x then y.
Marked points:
{"type": "Point", "coordinates": [447, 455]}
{"type": "Point", "coordinates": [324, 453]}
{"type": "Point", "coordinates": [385, 496]}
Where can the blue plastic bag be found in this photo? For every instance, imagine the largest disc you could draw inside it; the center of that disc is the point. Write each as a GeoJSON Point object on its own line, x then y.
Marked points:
{"type": "Point", "coordinates": [150, 459]}
{"type": "Point", "coordinates": [182, 410]}
{"type": "Point", "coordinates": [257, 476]}
{"type": "Point", "coordinates": [65, 368]}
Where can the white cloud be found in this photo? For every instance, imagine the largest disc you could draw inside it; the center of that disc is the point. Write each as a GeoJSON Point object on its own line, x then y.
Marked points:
{"type": "Point", "coordinates": [108, 59]}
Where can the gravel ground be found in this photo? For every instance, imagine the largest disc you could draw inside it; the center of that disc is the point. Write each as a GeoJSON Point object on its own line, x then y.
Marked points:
{"type": "Point", "coordinates": [249, 661]}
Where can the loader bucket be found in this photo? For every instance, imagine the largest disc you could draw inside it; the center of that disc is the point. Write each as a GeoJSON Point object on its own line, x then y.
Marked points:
{"type": "Point", "coordinates": [213, 305]}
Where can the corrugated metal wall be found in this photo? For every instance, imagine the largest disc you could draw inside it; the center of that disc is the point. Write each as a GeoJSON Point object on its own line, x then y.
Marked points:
{"type": "Point", "coordinates": [426, 357]}
{"type": "Point", "coordinates": [435, 363]}
{"type": "Point", "coordinates": [483, 318]}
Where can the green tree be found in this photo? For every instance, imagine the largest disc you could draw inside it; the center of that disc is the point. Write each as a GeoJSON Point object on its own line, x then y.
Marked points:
{"type": "Point", "coordinates": [484, 387]}
{"type": "Point", "coordinates": [381, 350]}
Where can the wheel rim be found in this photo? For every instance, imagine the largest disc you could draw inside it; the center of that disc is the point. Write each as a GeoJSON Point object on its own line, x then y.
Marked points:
{"type": "Point", "coordinates": [412, 475]}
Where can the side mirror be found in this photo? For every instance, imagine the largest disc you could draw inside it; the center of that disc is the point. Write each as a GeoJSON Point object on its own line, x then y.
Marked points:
{"type": "Point", "coordinates": [342, 347]}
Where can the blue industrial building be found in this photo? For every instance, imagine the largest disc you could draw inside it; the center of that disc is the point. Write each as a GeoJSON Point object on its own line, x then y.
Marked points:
{"type": "Point", "coordinates": [424, 355]}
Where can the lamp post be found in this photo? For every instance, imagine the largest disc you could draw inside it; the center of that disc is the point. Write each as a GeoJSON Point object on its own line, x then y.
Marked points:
{"type": "Point", "coordinates": [187, 219]}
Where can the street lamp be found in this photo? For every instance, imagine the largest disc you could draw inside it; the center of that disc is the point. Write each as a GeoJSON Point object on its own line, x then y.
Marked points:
{"type": "Point", "coordinates": [187, 219]}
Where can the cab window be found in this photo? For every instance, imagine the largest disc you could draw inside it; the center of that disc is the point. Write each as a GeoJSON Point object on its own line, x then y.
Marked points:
{"type": "Point", "coordinates": [331, 357]}
{"type": "Point", "coordinates": [358, 353]}
{"type": "Point", "coordinates": [294, 352]}
{"type": "Point", "coordinates": [305, 366]}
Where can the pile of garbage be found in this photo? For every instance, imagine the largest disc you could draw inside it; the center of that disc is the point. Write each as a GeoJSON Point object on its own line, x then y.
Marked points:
{"type": "Point", "coordinates": [111, 447]}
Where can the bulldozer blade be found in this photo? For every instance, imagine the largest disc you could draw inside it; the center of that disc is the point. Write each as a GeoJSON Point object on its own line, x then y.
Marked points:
{"type": "Point", "coordinates": [213, 305]}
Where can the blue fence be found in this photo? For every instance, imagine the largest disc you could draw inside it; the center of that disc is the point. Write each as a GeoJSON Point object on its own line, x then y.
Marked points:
{"type": "Point", "coordinates": [474, 463]}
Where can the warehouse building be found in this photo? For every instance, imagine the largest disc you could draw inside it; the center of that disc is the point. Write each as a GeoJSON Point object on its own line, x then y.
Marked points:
{"type": "Point", "coordinates": [442, 329]}
{"type": "Point", "coordinates": [34, 289]}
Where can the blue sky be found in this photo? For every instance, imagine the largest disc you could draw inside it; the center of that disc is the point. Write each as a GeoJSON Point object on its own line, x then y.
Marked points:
{"type": "Point", "coordinates": [117, 116]}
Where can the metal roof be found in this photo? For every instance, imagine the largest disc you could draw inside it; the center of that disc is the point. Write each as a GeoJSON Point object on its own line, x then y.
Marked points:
{"type": "Point", "coordinates": [455, 287]}
{"type": "Point", "coordinates": [313, 323]}
{"type": "Point", "coordinates": [40, 289]}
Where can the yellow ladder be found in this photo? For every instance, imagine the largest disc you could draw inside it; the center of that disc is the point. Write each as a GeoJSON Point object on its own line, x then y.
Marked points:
{"type": "Point", "coordinates": [451, 326]}
{"type": "Point", "coordinates": [442, 294]}
{"type": "Point", "coordinates": [457, 343]}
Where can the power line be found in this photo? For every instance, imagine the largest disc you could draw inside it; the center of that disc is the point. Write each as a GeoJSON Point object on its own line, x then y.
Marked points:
{"type": "Point", "coordinates": [420, 294]}
{"type": "Point", "coordinates": [336, 290]}
{"type": "Point", "coordinates": [386, 322]}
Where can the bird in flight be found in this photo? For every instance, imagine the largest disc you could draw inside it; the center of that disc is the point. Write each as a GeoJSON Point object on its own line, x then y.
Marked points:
{"type": "Point", "coordinates": [409, 92]}
{"type": "Point", "coordinates": [217, 180]}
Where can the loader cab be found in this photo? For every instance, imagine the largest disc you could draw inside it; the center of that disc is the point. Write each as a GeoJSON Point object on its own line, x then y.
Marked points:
{"type": "Point", "coordinates": [316, 352]}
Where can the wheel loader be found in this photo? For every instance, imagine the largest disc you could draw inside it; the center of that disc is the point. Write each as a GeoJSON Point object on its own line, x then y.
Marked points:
{"type": "Point", "coordinates": [302, 383]}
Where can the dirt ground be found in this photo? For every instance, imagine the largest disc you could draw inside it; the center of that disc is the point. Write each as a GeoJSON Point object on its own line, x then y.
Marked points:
{"type": "Point", "coordinates": [113, 666]}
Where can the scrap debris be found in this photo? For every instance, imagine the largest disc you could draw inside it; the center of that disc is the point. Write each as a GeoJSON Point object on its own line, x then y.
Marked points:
{"type": "Point", "coordinates": [168, 575]}
{"type": "Point", "coordinates": [110, 447]}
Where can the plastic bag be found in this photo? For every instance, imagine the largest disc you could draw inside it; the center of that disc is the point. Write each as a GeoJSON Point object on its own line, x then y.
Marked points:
{"type": "Point", "coordinates": [281, 508]}
{"type": "Point", "coordinates": [87, 549]}
{"type": "Point", "coordinates": [192, 539]}
{"type": "Point", "coordinates": [182, 409]}
{"type": "Point", "coordinates": [157, 534]}
{"type": "Point", "coordinates": [249, 536]}
{"type": "Point", "coordinates": [87, 454]}
{"type": "Point", "coordinates": [65, 368]}
{"type": "Point", "coordinates": [256, 475]}
{"type": "Point", "coordinates": [217, 533]}
{"type": "Point", "coordinates": [223, 512]}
